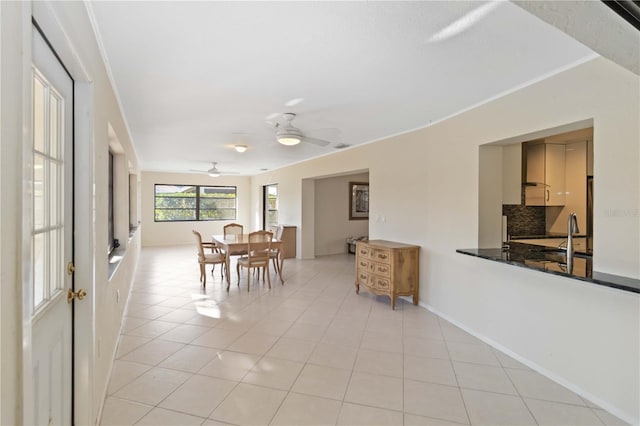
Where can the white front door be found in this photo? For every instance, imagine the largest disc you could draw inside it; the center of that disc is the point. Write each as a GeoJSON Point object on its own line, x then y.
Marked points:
{"type": "Point", "coordinates": [51, 226]}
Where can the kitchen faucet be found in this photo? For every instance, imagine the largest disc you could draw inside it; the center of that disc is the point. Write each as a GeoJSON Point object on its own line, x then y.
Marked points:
{"type": "Point", "coordinates": [572, 227]}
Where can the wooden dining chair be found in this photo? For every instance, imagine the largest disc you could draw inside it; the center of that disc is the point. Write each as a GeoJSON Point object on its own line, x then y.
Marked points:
{"type": "Point", "coordinates": [276, 253]}
{"type": "Point", "coordinates": [234, 229]}
{"type": "Point", "coordinates": [258, 250]}
{"type": "Point", "coordinates": [211, 245]}
{"type": "Point", "coordinates": [215, 248]}
{"type": "Point", "coordinates": [207, 258]}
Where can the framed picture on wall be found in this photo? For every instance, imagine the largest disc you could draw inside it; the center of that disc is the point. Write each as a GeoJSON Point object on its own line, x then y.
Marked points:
{"type": "Point", "coordinates": [358, 200]}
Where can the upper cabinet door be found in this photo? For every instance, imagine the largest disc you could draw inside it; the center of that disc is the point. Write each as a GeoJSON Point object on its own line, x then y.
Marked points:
{"type": "Point", "coordinates": [535, 163]}
{"type": "Point", "coordinates": [545, 184]}
{"type": "Point", "coordinates": [555, 175]}
{"type": "Point", "coordinates": [535, 189]}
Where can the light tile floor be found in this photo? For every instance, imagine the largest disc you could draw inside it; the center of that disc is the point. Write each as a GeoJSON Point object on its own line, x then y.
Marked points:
{"type": "Point", "coordinates": [310, 351]}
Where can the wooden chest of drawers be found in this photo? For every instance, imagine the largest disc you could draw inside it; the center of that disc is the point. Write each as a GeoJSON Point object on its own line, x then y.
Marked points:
{"type": "Point", "coordinates": [387, 268]}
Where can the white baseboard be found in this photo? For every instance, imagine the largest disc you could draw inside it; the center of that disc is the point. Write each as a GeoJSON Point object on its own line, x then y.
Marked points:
{"type": "Point", "coordinates": [532, 365]}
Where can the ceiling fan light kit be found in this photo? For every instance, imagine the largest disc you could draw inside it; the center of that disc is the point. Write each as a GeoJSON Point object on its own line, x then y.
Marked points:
{"type": "Point", "coordinates": [214, 172]}
{"type": "Point", "coordinates": [288, 139]}
{"type": "Point", "coordinates": [240, 148]}
{"type": "Point", "coordinates": [290, 135]}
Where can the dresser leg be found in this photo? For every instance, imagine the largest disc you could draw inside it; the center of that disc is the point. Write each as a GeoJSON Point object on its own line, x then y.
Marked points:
{"type": "Point", "coordinates": [415, 299]}
{"type": "Point", "coordinates": [393, 302]}
{"type": "Point", "coordinates": [357, 288]}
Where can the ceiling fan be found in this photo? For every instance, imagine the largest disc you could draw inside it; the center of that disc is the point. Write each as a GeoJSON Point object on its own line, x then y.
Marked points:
{"type": "Point", "coordinates": [214, 172]}
{"type": "Point", "coordinates": [288, 134]}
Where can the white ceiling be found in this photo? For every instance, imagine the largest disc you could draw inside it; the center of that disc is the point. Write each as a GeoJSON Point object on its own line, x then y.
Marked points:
{"type": "Point", "coordinates": [195, 78]}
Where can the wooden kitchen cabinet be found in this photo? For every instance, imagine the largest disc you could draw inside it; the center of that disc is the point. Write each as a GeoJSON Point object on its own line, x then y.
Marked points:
{"type": "Point", "coordinates": [555, 174]}
{"type": "Point", "coordinates": [387, 268]}
{"type": "Point", "coordinates": [545, 184]}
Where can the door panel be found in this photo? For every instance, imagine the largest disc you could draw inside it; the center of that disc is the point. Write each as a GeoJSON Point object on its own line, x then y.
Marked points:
{"type": "Point", "coordinates": [51, 236]}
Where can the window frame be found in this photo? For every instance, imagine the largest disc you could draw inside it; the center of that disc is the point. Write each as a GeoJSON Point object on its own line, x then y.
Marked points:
{"type": "Point", "coordinates": [197, 207]}
{"type": "Point", "coordinates": [266, 209]}
{"type": "Point", "coordinates": [111, 244]}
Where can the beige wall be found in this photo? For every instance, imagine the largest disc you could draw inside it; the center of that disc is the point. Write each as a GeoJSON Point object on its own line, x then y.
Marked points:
{"type": "Point", "coordinates": [426, 184]}
{"type": "Point", "coordinates": [332, 224]}
{"type": "Point", "coordinates": [166, 233]}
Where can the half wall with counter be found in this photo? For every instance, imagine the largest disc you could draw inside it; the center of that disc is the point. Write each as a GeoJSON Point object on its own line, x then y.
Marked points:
{"type": "Point", "coordinates": [553, 261]}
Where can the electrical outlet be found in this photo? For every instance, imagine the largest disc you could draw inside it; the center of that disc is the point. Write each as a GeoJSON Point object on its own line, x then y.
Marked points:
{"type": "Point", "coordinates": [118, 296]}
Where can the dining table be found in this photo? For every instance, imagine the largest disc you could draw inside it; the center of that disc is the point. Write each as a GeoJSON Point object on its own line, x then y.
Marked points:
{"type": "Point", "coordinates": [231, 244]}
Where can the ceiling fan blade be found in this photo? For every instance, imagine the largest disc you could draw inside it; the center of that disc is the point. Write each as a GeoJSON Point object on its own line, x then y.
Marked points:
{"type": "Point", "coordinates": [326, 133]}
{"type": "Point", "coordinates": [293, 102]}
{"type": "Point", "coordinates": [272, 116]}
{"type": "Point", "coordinates": [315, 141]}
{"type": "Point", "coordinates": [199, 171]}
{"type": "Point", "coordinates": [222, 172]}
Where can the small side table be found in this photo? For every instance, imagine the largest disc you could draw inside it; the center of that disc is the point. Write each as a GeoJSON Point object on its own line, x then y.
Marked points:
{"type": "Point", "coordinates": [351, 243]}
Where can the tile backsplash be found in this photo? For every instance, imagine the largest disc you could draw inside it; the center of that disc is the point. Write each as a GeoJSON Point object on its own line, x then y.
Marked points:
{"type": "Point", "coordinates": [524, 220]}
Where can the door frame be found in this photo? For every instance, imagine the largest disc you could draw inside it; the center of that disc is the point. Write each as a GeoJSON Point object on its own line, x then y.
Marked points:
{"type": "Point", "coordinates": [84, 253]}
{"type": "Point", "coordinates": [51, 322]}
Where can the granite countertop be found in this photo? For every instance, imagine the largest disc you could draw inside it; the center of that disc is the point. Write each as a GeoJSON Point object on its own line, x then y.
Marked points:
{"type": "Point", "coordinates": [553, 261]}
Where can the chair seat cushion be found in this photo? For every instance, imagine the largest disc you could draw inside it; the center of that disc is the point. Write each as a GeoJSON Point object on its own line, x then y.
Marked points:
{"type": "Point", "coordinates": [244, 261]}
{"type": "Point", "coordinates": [214, 257]}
